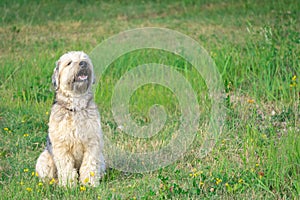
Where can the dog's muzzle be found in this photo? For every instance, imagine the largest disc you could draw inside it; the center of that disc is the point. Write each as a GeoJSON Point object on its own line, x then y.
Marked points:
{"type": "Point", "coordinates": [83, 73]}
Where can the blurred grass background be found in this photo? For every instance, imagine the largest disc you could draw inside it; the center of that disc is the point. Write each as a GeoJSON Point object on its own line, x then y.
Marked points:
{"type": "Point", "coordinates": [255, 45]}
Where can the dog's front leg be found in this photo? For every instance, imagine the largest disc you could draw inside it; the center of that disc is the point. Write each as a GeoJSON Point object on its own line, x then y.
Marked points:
{"type": "Point", "coordinates": [65, 162]}
{"type": "Point", "coordinates": [93, 166]}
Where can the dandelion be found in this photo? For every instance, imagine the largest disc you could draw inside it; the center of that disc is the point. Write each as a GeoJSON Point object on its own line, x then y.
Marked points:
{"type": "Point", "coordinates": [218, 181]}
{"type": "Point", "coordinates": [227, 184]}
{"type": "Point", "coordinates": [250, 101]}
{"type": "Point", "coordinates": [195, 173]}
{"type": "Point", "coordinates": [256, 165]}
{"type": "Point", "coordinates": [29, 189]}
{"type": "Point", "coordinates": [92, 174]}
{"type": "Point", "coordinates": [32, 173]}
{"type": "Point", "coordinates": [26, 170]}
{"type": "Point", "coordinates": [47, 113]}
{"type": "Point", "coordinates": [52, 181]}
{"type": "Point", "coordinates": [26, 135]}
{"type": "Point", "coordinates": [36, 174]}
{"type": "Point", "coordinates": [86, 180]}
{"type": "Point", "coordinates": [6, 129]}
{"type": "Point", "coordinates": [40, 184]}
{"type": "Point", "coordinates": [82, 188]}
{"type": "Point", "coordinates": [294, 84]}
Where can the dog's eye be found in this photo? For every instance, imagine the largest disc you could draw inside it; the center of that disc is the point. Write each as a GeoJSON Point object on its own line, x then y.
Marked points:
{"type": "Point", "coordinates": [69, 63]}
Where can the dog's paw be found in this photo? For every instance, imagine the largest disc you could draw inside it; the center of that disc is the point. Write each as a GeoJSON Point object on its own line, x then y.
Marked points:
{"type": "Point", "coordinates": [68, 180]}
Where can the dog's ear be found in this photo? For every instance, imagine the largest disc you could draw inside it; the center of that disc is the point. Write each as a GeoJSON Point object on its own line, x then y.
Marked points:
{"type": "Point", "coordinates": [55, 76]}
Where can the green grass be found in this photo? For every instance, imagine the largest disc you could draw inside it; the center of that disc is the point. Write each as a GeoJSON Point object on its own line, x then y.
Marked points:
{"type": "Point", "coordinates": [255, 45]}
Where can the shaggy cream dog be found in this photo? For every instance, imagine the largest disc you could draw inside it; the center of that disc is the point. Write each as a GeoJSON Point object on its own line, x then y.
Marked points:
{"type": "Point", "coordinates": [74, 143]}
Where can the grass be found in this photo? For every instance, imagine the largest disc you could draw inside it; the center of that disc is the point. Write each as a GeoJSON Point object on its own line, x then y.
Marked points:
{"type": "Point", "coordinates": [255, 45]}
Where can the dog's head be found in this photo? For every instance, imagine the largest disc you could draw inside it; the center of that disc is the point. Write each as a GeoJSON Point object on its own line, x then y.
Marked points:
{"type": "Point", "coordinates": [73, 73]}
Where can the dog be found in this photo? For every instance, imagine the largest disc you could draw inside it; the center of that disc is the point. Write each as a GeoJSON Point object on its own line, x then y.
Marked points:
{"type": "Point", "coordinates": [74, 149]}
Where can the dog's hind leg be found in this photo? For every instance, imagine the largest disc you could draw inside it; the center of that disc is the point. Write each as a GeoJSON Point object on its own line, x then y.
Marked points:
{"type": "Point", "coordinates": [45, 166]}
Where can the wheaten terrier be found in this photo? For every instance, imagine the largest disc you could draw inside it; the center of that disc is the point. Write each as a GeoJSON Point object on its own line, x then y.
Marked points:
{"type": "Point", "coordinates": [75, 143]}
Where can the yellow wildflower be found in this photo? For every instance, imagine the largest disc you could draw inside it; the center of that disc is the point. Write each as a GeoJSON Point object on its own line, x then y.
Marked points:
{"type": "Point", "coordinates": [82, 188]}
{"type": "Point", "coordinates": [194, 173]}
{"type": "Point", "coordinates": [40, 184]}
{"type": "Point", "coordinates": [294, 84]}
{"type": "Point", "coordinates": [201, 183]}
{"type": "Point", "coordinates": [92, 174]}
{"type": "Point", "coordinates": [29, 189]}
{"type": "Point", "coordinates": [251, 101]}
{"type": "Point", "coordinates": [241, 181]}
{"type": "Point", "coordinates": [52, 181]}
{"type": "Point", "coordinates": [26, 135]}
{"type": "Point", "coordinates": [86, 180]}
{"type": "Point", "coordinates": [226, 184]}
{"type": "Point", "coordinates": [47, 113]}
{"type": "Point", "coordinates": [6, 129]}
{"type": "Point", "coordinates": [21, 183]}
{"type": "Point", "coordinates": [294, 78]}
{"type": "Point", "coordinates": [26, 170]}
{"type": "Point", "coordinates": [218, 181]}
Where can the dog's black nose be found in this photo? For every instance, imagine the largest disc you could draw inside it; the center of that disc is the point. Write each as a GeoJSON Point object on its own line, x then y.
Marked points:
{"type": "Point", "coordinates": [83, 64]}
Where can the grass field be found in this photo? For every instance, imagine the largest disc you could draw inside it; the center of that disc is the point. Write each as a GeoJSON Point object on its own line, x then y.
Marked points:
{"type": "Point", "coordinates": [256, 47]}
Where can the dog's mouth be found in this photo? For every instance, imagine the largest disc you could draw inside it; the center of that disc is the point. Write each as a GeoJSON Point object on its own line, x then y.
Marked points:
{"type": "Point", "coordinates": [82, 76]}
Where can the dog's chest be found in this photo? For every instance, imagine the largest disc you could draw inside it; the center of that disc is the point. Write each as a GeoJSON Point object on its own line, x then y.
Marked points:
{"type": "Point", "coordinates": [75, 129]}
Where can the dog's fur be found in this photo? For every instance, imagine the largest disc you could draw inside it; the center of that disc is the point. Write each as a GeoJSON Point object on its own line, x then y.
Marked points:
{"type": "Point", "coordinates": [74, 143]}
